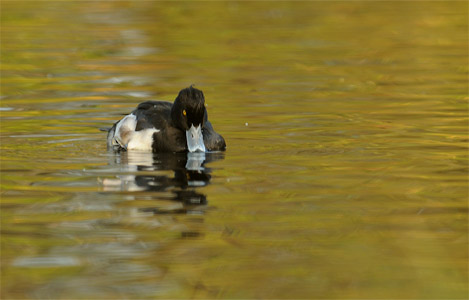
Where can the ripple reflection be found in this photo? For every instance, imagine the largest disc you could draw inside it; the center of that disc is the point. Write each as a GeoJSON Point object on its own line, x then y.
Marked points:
{"type": "Point", "coordinates": [168, 176]}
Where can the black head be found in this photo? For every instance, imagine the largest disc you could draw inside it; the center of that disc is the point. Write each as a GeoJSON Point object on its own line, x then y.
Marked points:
{"type": "Point", "coordinates": [188, 108]}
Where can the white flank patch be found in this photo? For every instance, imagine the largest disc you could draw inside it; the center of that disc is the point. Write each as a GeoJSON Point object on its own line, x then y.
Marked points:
{"type": "Point", "coordinates": [142, 140]}
{"type": "Point", "coordinates": [126, 136]}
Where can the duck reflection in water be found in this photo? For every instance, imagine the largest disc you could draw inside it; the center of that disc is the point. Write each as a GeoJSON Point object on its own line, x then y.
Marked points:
{"type": "Point", "coordinates": [164, 176]}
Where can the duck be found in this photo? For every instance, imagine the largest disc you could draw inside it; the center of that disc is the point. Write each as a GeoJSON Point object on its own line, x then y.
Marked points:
{"type": "Point", "coordinates": [160, 126]}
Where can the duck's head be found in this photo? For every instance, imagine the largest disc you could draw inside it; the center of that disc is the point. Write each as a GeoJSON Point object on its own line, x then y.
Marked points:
{"type": "Point", "coordinates": [188, 114]}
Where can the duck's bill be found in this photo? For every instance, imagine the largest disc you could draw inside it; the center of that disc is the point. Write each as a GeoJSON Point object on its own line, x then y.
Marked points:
{"type": "Point", "coordinates": [195, 139]}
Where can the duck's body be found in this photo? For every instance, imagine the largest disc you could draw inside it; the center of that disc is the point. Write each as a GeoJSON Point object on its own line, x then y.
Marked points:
{"type": "Point", "coordinates": [161, 126]}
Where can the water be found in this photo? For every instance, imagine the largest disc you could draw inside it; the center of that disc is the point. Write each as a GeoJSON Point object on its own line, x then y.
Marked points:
{"type": "Point", "coordinates": [345, 174]}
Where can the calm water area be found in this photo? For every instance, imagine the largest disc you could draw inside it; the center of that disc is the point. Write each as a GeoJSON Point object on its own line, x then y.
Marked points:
{"type": "Point", "coordinates": [345, 174]}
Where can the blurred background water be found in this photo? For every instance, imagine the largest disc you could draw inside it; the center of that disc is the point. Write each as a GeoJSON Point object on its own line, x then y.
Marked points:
{"type": "Point", "coordinates": [345, 174]}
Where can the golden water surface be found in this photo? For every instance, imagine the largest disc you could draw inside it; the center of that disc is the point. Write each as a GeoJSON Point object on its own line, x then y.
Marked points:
{"type": "Point", "coordinates": [345, 174]}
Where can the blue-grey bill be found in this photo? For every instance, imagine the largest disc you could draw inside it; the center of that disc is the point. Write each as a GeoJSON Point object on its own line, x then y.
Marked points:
{"type": "Point", "coordinates": [195, 139]}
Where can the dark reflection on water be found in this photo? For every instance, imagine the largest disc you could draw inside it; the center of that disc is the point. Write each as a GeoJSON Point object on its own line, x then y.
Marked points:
{"type": "Point", "coordinates": [188, 174]}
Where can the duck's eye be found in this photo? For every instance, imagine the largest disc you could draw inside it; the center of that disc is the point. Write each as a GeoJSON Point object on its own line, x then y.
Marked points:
{"type": "Point", "coordinates": [184, 112]}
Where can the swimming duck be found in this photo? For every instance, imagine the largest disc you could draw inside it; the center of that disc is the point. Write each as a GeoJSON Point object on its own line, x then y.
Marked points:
{"type": "Point", "coordinates": [161, 126]}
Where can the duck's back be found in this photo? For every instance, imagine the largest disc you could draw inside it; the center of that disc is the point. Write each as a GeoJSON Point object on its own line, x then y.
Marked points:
{"type": "Point", "coordinates": [157, 115]}
{"type": "Point", "coordinates": [153, 114]}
